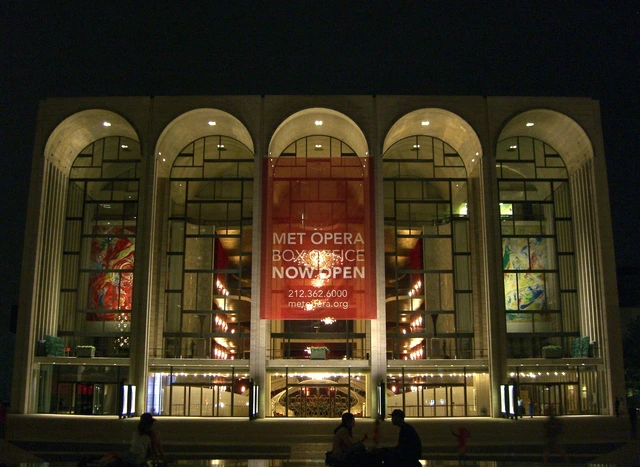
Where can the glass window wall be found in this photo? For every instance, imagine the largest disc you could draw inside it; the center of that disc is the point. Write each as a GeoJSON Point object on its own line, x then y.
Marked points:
{"type": "Point", "coordinates": [317, 180]}
{"type": "Point", "coordinates": [537, 248]}
{"type": "Point", "coordinates": [425, 393]}
{"type": "Point", "coordinates": [98, 257]}
{"type": "Point", "coordinates": [428, 287]}
{"type": "Point", "coordinates": [194, 392]}
{"type": "Point", "coordinates": [208, 283]}
{"type": "Point", "coordinates": [550, 390]}
{"type": "Point", "coordinates": [81, 389]}
{"type": "Point", "coordinates": [317, 394]}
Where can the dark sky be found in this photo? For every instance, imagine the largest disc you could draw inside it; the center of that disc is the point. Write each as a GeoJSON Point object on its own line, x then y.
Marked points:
{"type": "Point", "coordinates": [560, 48]}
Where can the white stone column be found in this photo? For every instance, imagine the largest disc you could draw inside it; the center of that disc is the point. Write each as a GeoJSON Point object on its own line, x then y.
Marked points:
{"type": "Point", "coordinates": [142, 285]}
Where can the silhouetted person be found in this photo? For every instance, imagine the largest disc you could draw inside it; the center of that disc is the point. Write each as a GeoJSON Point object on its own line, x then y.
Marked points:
{"type": "Point", "coordinates": [530, 408]}
{"type": "Point", "coordinates": [145, 446]}
{"type": "Point", "coordinates": [346, 451]}
{"type": "Point", "coordinates": [408, 451]}
{"type": "Point", "coordinates": [552, 431]}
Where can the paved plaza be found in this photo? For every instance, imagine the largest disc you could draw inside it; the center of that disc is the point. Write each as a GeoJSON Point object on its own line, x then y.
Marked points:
{"type": "Point", "coordinates": [63, 440]}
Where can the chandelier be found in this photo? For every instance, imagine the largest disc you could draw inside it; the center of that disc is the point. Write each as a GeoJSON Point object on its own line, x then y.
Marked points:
{"type": "Point", "coordinates": [319, 259]}
{"type": "Point", "coordinates": [320, 280]}
{"type": "Point", "coordinates": [122, 325]}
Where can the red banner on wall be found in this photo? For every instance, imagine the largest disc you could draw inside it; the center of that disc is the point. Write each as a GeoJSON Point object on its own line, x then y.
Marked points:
{"type": "Point", "coordinates": [318, 255]}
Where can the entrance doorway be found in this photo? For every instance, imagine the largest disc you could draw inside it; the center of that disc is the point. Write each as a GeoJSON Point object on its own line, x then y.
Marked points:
{"type": "Point", "coordinates": [318, 395]}
{"type": "Point", "coordinates": [86, 398]}
{"type": "Point", "coordinates": [549, 398]}
{"type": "Point", "coordinates": [435, 401]}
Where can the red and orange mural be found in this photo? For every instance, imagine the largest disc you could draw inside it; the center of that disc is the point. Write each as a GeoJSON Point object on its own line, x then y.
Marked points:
{"type": "Point", "coordinates": [112, 251]}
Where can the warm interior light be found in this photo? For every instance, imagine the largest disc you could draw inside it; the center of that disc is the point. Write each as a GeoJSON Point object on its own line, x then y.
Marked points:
{"type": "Point", "coordinates": [318, 122]}
{"type": "Point", "coordinates": [106, 123]}
{"type": "Point", "coordinates": [212, 123]}
{"type": "Point", "coordinates": [530, 123]}
{"type": "Point", "coordinates": [319, 259]}
{"type": "Point", "coordinates": [425, 123]}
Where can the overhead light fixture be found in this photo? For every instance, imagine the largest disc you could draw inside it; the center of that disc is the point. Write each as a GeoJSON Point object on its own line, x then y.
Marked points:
{"type": "Point", "coordinates": [212, 123]}
{"type": "Point", "coordinates": [318, 122]}
{"type": "Point", "coordinates": [530, 124]}
{"type": "Point", "coordinates": [106, 123]}
{"type": "Point", "coordinates": [425, 123]}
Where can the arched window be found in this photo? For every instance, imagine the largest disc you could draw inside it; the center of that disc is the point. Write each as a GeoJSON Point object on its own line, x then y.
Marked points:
{"type": "Point", "coordinates": [208, 286]}
{"type": "Point", "coordinates": [428, 287]}
{"type": "Point", "coordinates": [96, 292]}
{"type": "Point", "coordinates": [319, 195]}
{"type": "Point", "coordinates": [537, 247]}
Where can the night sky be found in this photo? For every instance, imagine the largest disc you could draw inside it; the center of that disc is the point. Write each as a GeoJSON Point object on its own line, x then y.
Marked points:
{"type": "Point", "coordinates": [562, 48]}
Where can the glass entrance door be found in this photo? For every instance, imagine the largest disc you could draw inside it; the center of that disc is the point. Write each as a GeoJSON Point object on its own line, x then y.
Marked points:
{"type": "Point", "coordinates": [89, 399]}
{"type": "Point", "coordinates": [435, 401]}
{"type": "Point", "coordinates": [318, 395]}
{"type": "Point", "coordinates": [546, 399]}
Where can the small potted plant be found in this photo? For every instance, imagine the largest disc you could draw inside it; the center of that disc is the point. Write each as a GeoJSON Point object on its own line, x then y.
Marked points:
{"type": "Point", "coordinates": [85, 351]}
{"type": "Point", "coordinates": [552, 351]}
{"type": "Point", "coordinates": [319, 352]}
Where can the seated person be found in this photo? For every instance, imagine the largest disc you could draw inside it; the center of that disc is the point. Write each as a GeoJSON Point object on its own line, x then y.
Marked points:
{"type": "Point", "coordinates": [145, 445]}
{"type": "Point", "coordinates": [345, 451]}
{"type": "Point", "coordinates": [408, 451]}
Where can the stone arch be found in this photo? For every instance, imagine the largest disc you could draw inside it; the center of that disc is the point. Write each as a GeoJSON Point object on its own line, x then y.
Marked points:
{"type": "Point", "coordinates": [193, 125]}
{"type": "Point", "coordinates": [79, 130]}
{"type": "Point", "coordinates": [303, 123]}
{"type": "Point", "coordinates": [557, 130]}
{"type": "Point", "coordinates": [442, 124]}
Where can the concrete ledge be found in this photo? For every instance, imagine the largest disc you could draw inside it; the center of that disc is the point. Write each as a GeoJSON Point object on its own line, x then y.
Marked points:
{"type": "Point", "coordinates": [13, 455]}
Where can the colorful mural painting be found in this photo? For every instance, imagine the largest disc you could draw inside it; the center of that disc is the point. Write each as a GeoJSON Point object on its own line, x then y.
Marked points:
{"type": "Point", "coordinates": [112, 251]}
{"type": "Point", "coordinates": [515, 254]}
{"type": "Point", "coordinates": [524, 291]}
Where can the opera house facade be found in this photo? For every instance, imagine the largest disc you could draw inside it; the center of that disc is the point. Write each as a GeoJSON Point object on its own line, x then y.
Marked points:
{"type": "Point", "coordinates": [303, 256]}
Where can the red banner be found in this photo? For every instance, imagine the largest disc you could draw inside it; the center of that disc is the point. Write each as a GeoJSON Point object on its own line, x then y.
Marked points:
{"type": "Point", "coordinates": [318, 255]}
